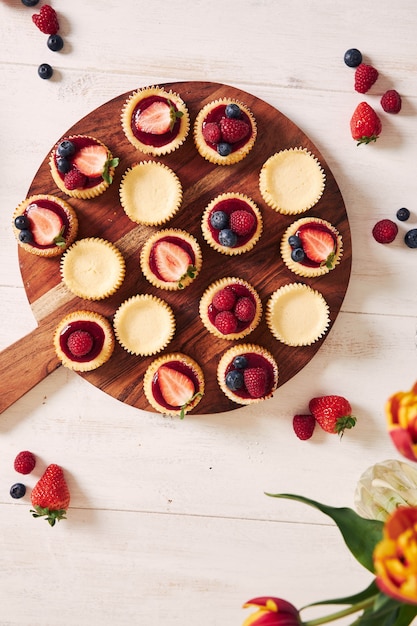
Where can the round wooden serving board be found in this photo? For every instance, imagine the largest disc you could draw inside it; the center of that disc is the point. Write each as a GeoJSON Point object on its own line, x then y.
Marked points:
{"type": "Point", "coordinates": [104, 217]}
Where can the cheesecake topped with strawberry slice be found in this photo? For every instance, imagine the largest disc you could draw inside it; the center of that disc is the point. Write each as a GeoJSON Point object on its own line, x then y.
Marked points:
{"type": "Point", "coordinates": [45, 225]}
{"type": "Point", "coordinates": [174, 384]}
{"type": "Point", "coordinates": [155, 120]}
{"type": "Point", "coordinates": [82, 166]}
{"type": "Point", "coordinates": [311, 247]}
{"type": "Point", "coordinates": [224, 131]}
{"type": "Point", "coordinates": [171, 259]}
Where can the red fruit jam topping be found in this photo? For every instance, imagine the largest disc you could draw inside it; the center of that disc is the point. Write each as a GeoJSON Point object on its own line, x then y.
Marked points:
{"type": "Point", "coordinates": [48, 220]}
{"type": "Point", "coordinates": [72, 332]}
{"type": "Point", "coordinates": [229, 206]}
{"type": "Point", "coordinates": [216, 115]}
{"type": "Point", "coordinates": [317, 229]}
{"type": "Point", "coordinates": [221, 318]}
{"type": "Point", "coordinates": [183, 385]}
{"type": "Point", "coordinates": [157, 138]}
{"type": "Point", "coordinates": [255, 360]}
{"type": "Point", "coordinates": [171, 263]}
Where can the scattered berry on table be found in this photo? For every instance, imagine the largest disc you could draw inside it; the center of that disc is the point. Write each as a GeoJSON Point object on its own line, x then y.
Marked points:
{"type": "Point", "coordinates": [22, 222]}
{"type": "Point", "coordinates": [256, 381]}
{"type": "Point", "coordinates": [352, 57]}
{"type": "Point", "coordinates": [227, 238]}
{"type": "Point", "coordinates": [211, 132]}
{"type": "Point", "coordinates": [223, 148]}
{"type": "Point", "coordinates": [219, 220]}
{"type": "Point", "coordinates": [46, 20]}
{"type": "Point", "coordinates": [391, 101]}
{"type": "Point", "coordinates": [233, 110]}
{"type": "Point", "coordinates": [365, 77]}
{"type": "Point", "coordinates": [234, 380]}
{"type": "Point", "coordinates": [333, 413]}
{"type": "Point", "coordinates": [55, 43]}
{"type": "Point", "coordinates": [242, 222]}
{"type": "Point", "coordinates": [303, 426]}
{"type": "Point", "coordinates": [24, 462]}
{"type": "Point", "coordinates": [245, 309]}
{"type": "Point", "coordinates": [17, 490]}
{"type": "Point", "coordinates": [365, 125]}
{"type": "Point", "coordinates": [233, 130]}
{"type": "Point", "coordinates": [385, 231]}
{"type": "Point", "coordinates": [50, 496]}
{"type": "Point", "coordinates": [225, 299]}
{"type": "Point", "coordinates": [403, 214]}
{"type": "Point", "coordinates": [410, 238]}
{"type": "Point", "coordinates": [30, 3]}
{"type": "Point", "coordinates": [45, 71]}
{"type": "Point", "coordinates": [225, 322]}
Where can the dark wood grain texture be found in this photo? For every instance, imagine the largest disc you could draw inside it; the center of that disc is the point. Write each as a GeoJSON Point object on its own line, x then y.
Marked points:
{"type": "Point", "coordinates": [104, 217]}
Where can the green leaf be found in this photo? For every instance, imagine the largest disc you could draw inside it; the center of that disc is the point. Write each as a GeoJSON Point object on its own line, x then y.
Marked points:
{"type": "Point", "coordinates": [406, 614]}
{"type": "Point", "coordinates": [361, 535]}
{"type": "Point", "coordinates": [370, 591]}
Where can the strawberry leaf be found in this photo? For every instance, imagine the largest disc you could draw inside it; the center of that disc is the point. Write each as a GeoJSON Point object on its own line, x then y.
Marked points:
{"type": "Point", "coordinates": [187, 404]}
{"type": "Point", "coordinates": [51, 516]}
{"type": "Point", "coordinates": [59, 240]}
{"type": "Point", "coordinates": [110, 163]}
{"type": "Point", "coordinates": [191, 270]}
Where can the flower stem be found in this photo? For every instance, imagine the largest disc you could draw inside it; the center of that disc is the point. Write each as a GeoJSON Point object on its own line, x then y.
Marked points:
{"type": "Point", "coordinates": [339, 614]}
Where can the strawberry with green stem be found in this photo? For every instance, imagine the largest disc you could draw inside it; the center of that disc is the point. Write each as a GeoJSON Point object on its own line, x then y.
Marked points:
{"type": "Point", "coordinates": [333, 413]}
{"type": "Point", "coordinates": [50, 496]}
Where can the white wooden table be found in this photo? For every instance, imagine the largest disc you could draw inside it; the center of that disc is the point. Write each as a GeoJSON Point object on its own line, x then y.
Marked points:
{"type": "Point", "coordinates": [168, 521]}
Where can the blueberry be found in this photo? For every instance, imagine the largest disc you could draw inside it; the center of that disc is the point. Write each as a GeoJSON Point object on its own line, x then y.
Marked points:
{"type": "Point", "coordinates": [66, 148]}
{"type": "Point", "coordinates": [22, 222]}
{"type": "Point", "coordinates": [45, 71]}
{"type": "Point", "coordinates": [30, 3]}
{"type": "Point", "coordinates": [233, 110]}
{"type": "Point", "coordinates": [294, 241]}
{"type": "Point", "coordinates": [17, 490]}
{"type": "Point", "coordinates": [297, 255]}
{"type": "Point", "coordinates": [227, 238]}
{"type": "Point", "coordinates": [240, 362]}
{"type": "Point", "coordinates": [411, 238]}
{"type": "Point", "coordinates": [223, 148]}
{"type": "Point", "coordinates": [63, 165]}
{"type": "Point", "coordinates": [25, 235]}
{"type": "Point", "coordinates": [219, 220]}
{"type": "Point", "coordinates": [403, 214]}
{"type": "Point", "coordinates": [55, 43]}
{"type": "Point", "coordinates": [352, 57]}
{"type": "Point", "coordinates": [234, 380]}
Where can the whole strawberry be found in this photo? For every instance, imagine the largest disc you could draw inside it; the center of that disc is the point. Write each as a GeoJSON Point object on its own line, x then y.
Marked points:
{"type": "Point", "coordinates": [24, 462]}
{"type": "Point", "coordinates": [365, 124]}
{"type": "Point", "coordinates": [391, 101]}
{"type": "Point", "coordinates": [303, 426]}
{"type": "Point", "coordinates": [50, 496]}
{"type": "Point", "coordinates": [333, 413]}
{"type": "Point", "coordinates": [46, 20]}
{"type": "Point", "coordinates": [365, 77]}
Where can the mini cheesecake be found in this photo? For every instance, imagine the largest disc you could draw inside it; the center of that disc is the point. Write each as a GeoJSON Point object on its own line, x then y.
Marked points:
{"type": "Point", "coordinates": [311, 247]}
{"type": "Point", "coordinates": [171, 259]}
{"type": "Point", "coordinates": [247, 373]}
{"type": "Point", "coordinates": [174, 384]}
{"type": "Point", "coordinates": [84, 340]}
{"type": "Point", "coordinates": [225, 131]}
{"type": "Point", "coordinates": [45, 225]}
{"type": "Point", "coordinates": [230, 308]}
{"type": "Point", "coordinates": [82, 166]}
{"type": "Point", "coordinates": [155, 121]}
{"type": "Point", "coordinates": [232, 223]}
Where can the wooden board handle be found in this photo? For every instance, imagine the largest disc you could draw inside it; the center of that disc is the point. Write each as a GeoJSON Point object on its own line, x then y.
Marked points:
{"type": "Point", "coordinates": [25, 363]}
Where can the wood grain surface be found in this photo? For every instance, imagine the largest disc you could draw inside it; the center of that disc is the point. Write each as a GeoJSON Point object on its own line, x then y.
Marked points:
{"type": "Point", "coordinates": [104, 217]}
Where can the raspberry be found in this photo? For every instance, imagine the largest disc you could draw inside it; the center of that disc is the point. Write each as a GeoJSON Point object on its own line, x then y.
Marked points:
{"type": "Point", "coordinates": [211, 132]}
{"type": "Point", "coordinates": [242, 222]}
{"type": "Point", "coordinates": [24, 462]}
{"type": "Point", "coordinates": [225, 322]}
{"type": "Point", "coordinates": [365, 76]}
{"type": "Point", "coordinates": [256, 380]}
{"type": "Point", "coordinates": [303, 426]}
{"type": "Point", "coordinates": [245, 309]}
{"type": "Point", "coordinates": [385, 231]}
{"type": "Point", "coordinates": [225, 299]}
{"type": "Point", "coordinates": [391, 101]}
{"type": "Point", "coordinates": [74, 179]}
{"type": "Point", "coordinates": [233, 130]}
{"type": "Point", "coordinates": [80, 343]}
{"type": "Point", "coordinates": [46, 20]}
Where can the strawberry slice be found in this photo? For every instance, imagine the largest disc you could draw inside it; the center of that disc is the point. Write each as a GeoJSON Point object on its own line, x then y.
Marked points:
{"type": "Point", "coordinates": [318, 245]}
{"type": "Point", "coordinates": [172, 261]}
{"type": "Point", "coordinates": [46, 225]}
{"type": "Point", "coordinates": [177, 389]}
{"type": "Point", "coordinates": [156, 119]}
{"type": "Point", "coordinates": [91, 160]}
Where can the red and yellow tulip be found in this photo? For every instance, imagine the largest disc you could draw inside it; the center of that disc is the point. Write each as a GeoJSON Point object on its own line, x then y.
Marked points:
{"type": "Point", "coordinates": [272, 612]}
{"type": "Point", "coordinates": [401, 414]}
{"type": "Point", "coordinates": [395, 556]}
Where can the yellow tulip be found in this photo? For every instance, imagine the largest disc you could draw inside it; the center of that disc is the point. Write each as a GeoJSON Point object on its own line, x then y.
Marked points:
{"type": "Point", "coordinates": [401, 414]}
